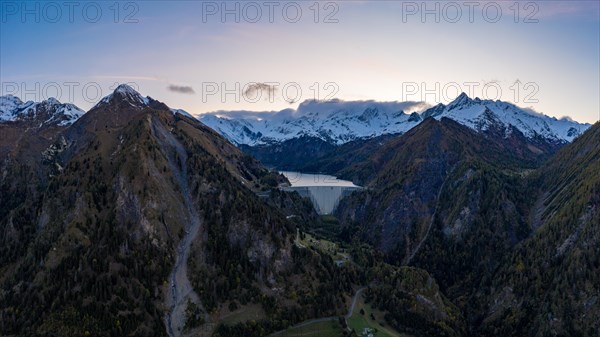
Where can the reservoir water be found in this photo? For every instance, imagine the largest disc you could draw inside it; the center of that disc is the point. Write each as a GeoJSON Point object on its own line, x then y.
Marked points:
{"type": "Point", "coordinates": [324, 191]}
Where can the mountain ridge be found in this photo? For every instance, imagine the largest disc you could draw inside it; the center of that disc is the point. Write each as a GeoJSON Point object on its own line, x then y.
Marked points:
{"type": "Point", "coordinates": [137, 219]}
{"type": "Point", "coordinates": [510, 240]}
{"type": "Point", "coordinates": [335, 121]}
{"type": "Point", "coordinates": [339, 122]}
{"type": "Point", "coordinates": [47, 112]}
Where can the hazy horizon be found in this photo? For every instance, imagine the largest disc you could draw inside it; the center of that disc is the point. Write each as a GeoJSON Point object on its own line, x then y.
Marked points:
{"type": "Point", "coordinates": [205, 57]}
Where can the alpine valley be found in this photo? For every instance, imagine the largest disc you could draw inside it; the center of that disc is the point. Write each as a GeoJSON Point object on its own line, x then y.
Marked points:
{"type": "Point", "coordinates": [476, 218]}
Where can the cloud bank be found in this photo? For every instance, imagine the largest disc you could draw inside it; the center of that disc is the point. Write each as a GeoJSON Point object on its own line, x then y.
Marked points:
{"type": "Point", "coordinates": [181, 89]}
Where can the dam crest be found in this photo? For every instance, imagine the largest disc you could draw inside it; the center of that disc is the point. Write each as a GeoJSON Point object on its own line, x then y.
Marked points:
{"type": "Point", "coordinates": [324, 191]}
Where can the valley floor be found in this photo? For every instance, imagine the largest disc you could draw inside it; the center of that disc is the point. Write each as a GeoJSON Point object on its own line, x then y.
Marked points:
{"type": "Point", "coordinates": [360, 316]}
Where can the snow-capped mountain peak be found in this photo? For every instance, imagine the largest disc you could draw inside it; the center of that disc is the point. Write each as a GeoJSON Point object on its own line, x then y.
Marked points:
{"type": "Point", "coordinates": [338, 122]}
{"type": "Point", "coordinates": [434, 111]}
{"type": "Point", "coordinates": [47, 112]}
{"type": "Point", "coordinates": [51, 101]}
{"type": "Point", "coordinates": [334, 121]}
{"type": "Point", "coordinates": [126, 89]}
{"type": "Point", "coordinates": [126, 93]}
{"type": "Point", "coordinates": [463, 101]}
{"type": "Point", "coordinates": [482, 114]}
{"type": "Point", "coordinates": [8, 104]}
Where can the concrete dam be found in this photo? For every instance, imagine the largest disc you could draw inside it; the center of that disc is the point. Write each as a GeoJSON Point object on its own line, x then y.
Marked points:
{"type": "Point", "coordinates": [324, 191]}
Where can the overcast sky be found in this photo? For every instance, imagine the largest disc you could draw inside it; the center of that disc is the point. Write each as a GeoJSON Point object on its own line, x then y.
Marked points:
{"type": "Point", "coordinates": [195, 56]}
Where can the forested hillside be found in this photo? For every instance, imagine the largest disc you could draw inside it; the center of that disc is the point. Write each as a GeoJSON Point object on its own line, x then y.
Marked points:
{"type": "Point", "coordinates": [93, 244]}
{"type": "Point", "coordinates": [508, 236]}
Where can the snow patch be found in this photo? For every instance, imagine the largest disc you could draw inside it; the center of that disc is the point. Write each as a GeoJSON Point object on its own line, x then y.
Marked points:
{"type": "Point", "coordinates": [182, 112]}
{"type": "Point", "coordinates": [129, 94]}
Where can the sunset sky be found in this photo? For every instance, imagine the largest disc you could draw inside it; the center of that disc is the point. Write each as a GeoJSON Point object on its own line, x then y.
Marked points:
{"type": "Point", "coordinates": [545, 55]}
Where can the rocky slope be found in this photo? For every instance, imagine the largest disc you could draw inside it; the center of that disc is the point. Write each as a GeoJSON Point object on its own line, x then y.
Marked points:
{"type": "Point", "coordinates": [134, 228]}
{"type": "Point", "coordinates": [409, 176]}
{"type": "Point", "coordinates": [549, 285]}
{"type": "Point", "coordinates": [31, 133]}
{"type": "Point", "coordinates": [501, 231]}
